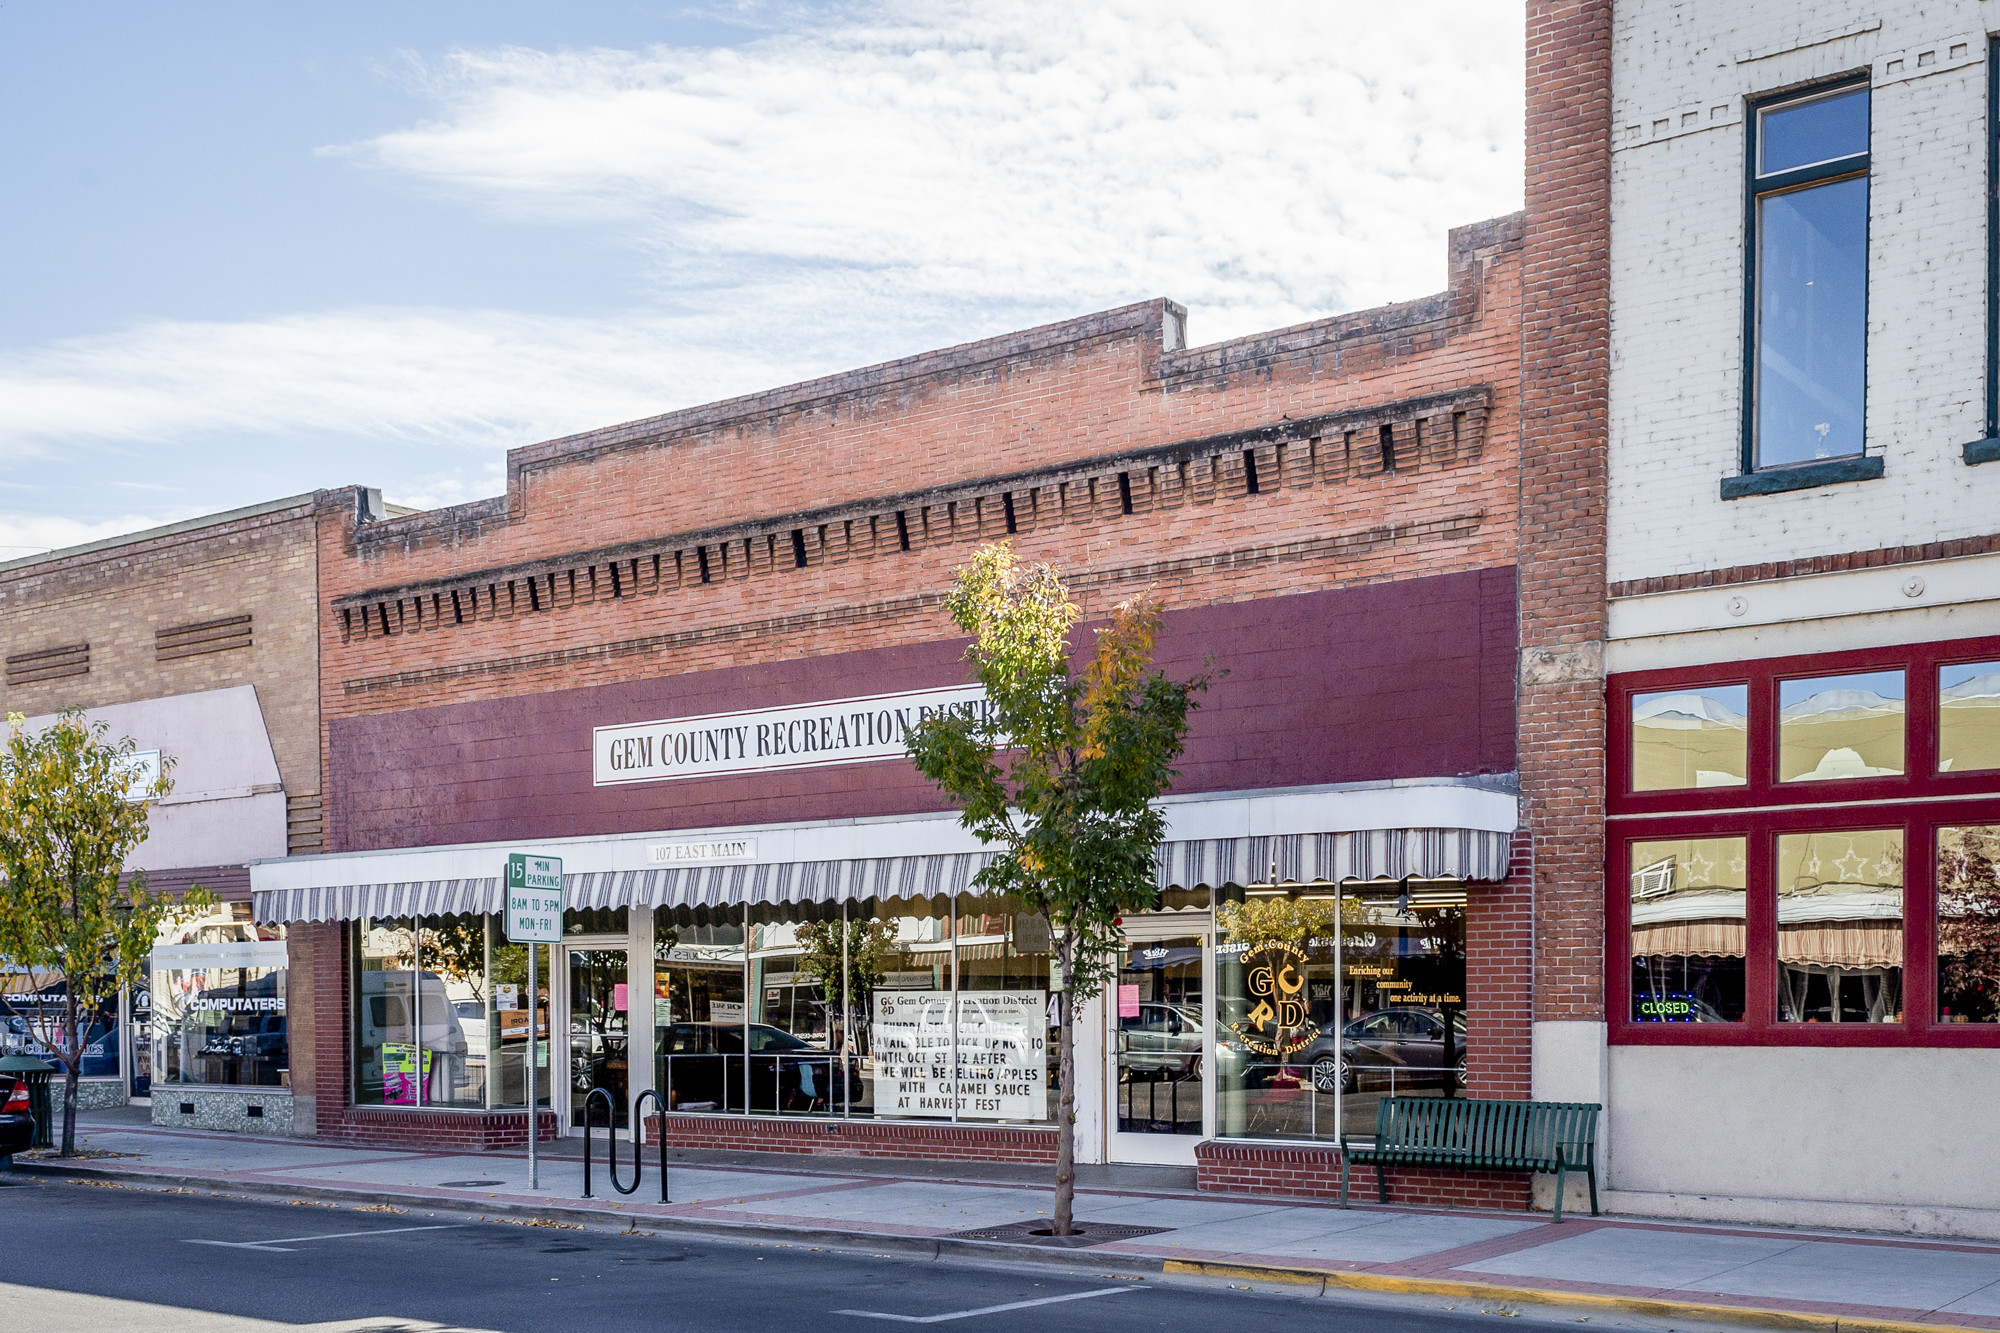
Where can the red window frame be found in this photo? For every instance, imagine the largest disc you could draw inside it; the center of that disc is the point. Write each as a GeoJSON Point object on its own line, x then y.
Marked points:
{"type": "Point", "coordinates": [1919, 802]}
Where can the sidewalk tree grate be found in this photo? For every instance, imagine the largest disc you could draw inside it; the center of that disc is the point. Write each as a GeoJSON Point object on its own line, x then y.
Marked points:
{"type": "Point", "coordinates": [1035, 1231]}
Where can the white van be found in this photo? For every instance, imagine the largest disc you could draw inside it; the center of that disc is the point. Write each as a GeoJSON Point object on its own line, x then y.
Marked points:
{"type": "Point", "coordinates": [385, 1022]}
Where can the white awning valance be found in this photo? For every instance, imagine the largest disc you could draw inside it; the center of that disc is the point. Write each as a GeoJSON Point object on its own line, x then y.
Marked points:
{"type": "Point", "coordinates": [1436, 829]}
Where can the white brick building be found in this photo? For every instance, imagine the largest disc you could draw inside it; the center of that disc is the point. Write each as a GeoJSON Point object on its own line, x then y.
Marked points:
{"type": "Point", "coordinates": [1805, 590]}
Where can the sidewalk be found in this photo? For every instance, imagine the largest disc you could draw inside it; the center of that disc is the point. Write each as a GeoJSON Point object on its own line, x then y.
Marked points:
{"type": "Point", "coordinates": [1677, 1270]}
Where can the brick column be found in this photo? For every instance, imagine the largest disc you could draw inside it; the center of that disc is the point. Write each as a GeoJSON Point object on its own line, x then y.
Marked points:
{"type": "Point", "coordinates": [1565, 365]}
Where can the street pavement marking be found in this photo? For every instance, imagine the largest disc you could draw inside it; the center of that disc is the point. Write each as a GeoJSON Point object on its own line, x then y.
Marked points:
{"type": "Point", "coordinates": [985, 1309]}
{"type": "Point", "coordinates": [279, 1246]}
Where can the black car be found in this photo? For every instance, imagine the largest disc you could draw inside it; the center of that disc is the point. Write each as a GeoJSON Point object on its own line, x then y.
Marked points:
{"type": "Point", "coordinates": [701, 1069]}
{"type": "Point", "coordinates": [1415, 1046]}
{"type": "Point", "coordinates": [17, 1126]}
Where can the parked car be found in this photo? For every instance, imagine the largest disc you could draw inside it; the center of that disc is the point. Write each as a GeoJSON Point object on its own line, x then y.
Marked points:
{"type": "Point", "coordinates": [1161, 1038]}
{"type": "Point", "coordinates": [1415, 1043]}
{"type": "Point", "coordinates": [702, 1070]}
{"type": "Point", "coordinates": [17, 1126]}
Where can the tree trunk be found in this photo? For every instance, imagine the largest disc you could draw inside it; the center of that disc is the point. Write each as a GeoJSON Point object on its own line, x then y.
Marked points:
{"type": "Point", "coordinates": [72, 1068]}
{"type": "Point", "coordinates": [1064, 1223]}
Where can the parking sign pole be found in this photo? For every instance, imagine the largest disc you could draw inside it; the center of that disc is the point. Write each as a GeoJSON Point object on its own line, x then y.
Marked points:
{"type": "Point", "coordinates": [534, 916]}
{"type": "Point", "coordinates": [534, 1058]}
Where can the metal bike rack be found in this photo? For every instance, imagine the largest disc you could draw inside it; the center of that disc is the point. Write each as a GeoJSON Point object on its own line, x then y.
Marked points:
{"type": "Point", "coordinates": [611, 1134]}
{"type": "Point", "coordinates": [638, 1119]}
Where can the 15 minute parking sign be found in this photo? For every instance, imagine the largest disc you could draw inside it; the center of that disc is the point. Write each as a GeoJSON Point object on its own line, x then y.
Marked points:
{"type": "Point", "coordinates": [534, 899]}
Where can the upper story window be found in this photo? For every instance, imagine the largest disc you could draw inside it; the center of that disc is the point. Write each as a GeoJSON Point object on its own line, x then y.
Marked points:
{"type": "Point", "coordinates": [1834, 727]}
{"type": "Point", "coordinates": [1809, 278]}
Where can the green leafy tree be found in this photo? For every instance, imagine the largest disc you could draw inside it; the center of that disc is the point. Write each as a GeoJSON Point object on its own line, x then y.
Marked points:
{"type": "Point", "coordinates": [68, 819]}
{"type": "Point", "coordinates": [1060, 771]}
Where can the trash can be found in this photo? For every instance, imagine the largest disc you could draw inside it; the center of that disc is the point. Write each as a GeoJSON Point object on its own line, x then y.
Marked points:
{"type": "Point", "coordinates": [35, 1073]}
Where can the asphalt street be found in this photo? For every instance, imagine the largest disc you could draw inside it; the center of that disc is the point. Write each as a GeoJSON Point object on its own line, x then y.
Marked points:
{"type": "Point", "coordinates": [83, 1258]}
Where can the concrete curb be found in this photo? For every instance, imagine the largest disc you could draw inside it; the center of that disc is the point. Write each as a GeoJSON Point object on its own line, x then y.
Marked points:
{"type": "Point", "coordinates": [606, 1219]}
{"type": "Point", "coordinates": [1315, 1281]}
{"type": "Point", "coordinates": [1647, 1306]}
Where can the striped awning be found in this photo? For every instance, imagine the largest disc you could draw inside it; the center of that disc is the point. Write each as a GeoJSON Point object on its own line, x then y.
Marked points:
{"type": "Point", "coordinates": [1304, 858]}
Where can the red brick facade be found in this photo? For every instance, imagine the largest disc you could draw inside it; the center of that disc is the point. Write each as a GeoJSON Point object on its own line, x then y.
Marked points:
{"type": "Point", "coordinates": [1565, 385]}
{"type": "Point", "coordinates": [1304, 494]}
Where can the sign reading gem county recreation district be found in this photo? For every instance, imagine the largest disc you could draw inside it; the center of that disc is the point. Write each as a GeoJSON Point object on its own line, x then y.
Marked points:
{"type": "Point", "coordinates": [534, 899]}
{"type": "Point", "coordinates": [839, 731]}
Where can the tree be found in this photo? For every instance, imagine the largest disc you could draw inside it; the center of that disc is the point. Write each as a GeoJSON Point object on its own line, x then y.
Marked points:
{"type": "Point", "coordinates": [68, 819]}
{"type": "Point", "coordinates": [1060, 771]}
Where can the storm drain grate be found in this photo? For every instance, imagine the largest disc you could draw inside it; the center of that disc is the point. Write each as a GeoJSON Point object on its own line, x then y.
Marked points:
{"type": "Point", "coordinates": [1035, 1231]}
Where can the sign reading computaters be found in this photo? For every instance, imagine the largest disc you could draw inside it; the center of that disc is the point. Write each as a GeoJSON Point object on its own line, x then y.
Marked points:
{"type": "Point", "coordinates": [839, 731]}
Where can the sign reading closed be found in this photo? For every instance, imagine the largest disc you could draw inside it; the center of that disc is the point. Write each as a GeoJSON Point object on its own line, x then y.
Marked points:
{"type": "Point", "coordinates": [839, 731]}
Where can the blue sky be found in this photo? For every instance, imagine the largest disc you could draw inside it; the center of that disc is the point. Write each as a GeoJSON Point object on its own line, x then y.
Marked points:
{"type": "Point", "coordinates": [257, 249]}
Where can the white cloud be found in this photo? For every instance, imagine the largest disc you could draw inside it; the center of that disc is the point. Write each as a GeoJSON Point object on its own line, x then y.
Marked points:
{"type": "Point", "coordinates": [24, 534]}
{"type": "Point", "coordinates": [866, 186]}
{"type": "Point", "coordinates": [1264, 163]}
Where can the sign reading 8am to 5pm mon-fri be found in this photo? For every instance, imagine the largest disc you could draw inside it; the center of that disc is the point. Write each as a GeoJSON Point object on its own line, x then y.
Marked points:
{"type": "Point", "coordinates": [534, 889]}
{"type": "Point", "coordinates": [838, 731]}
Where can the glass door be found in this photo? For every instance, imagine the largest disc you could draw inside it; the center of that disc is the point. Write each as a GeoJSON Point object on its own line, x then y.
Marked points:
{"type": "Point", "coordinates": [599, 1022]}
{"type": "Point", "coordinates": [1157, 1047]}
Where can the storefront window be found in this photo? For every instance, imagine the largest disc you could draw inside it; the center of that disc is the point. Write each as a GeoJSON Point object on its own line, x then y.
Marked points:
{"type": "Point", "coordinates": [1295, 1032]}
{"type": "Point", "coordinates": [698, 1015]}
{"type": "Point", "coordinates": [1696, 737]}
{"type": "Point", "coordinates": [1688, 930]}
{"type": "Point", "coordinates": [31, 1022]}
{"type": "Point", "coordinates": [456, 1025]}
{"type": "Point", "coordinates": [1007, 1061]}
{"type": "Point", "coordinates": [1968, 915]}
{"type": "Point", "coordinates": [1968, 717]}
{"type": "Point", "coordinates": [854, 1014]}
{"type": "Point", "coordinates": [218, 1013]}
{"type": "Point", "coordinates": [442, 1014]}
{"type": "Point", "coordinates": [1834, 727]}
{"type": "Point", "coordinates": [1840, 927]}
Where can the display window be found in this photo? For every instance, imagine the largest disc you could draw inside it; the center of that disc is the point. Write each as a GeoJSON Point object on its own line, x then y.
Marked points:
{"type": "Point", "coordinates": [1843, 892]}
{"type": "Point", "coordinates": [902, 1010]}
{"type": "Point", "coordinates": [31, 1023]}
{"type": "Point", "coordinates": [1968, 921]}
{"type": "Point", "coordinates": [1326, 1005]}
{"type": "Point", "coordinates": [1688, 929]}
{"type": "Point", "coordinates": [442, 1015]}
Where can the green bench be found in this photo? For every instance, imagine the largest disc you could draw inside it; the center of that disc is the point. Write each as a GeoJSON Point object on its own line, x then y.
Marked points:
{"type": "Point", "coordinates": [1475, 1135]}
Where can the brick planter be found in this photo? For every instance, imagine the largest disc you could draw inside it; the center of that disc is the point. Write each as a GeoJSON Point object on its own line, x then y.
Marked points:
{"type": "Point", "coordinates": [1261, 1168]}
{"type": "Point", "coordinates": [475, 1131]}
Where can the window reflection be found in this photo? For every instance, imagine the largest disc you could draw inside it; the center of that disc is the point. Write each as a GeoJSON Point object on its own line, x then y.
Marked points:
{"type": "Point", "coordinates": [1968, 909]}
{"type": "Point", "coordinates": [1835, 727]}
{"type": "Point", "coordinates": [1696, 737]}
{"type": "Point", "coordinates": [1840, 927]}
{"type": "Point", "coordinates": [1822, 129]}
{"type": "Point", "coordinates": [1688, 949]}
{"type": "Point", "coordinates": [1291, 1038]}
{"type": "Point", "coordinates": [1968, 717]}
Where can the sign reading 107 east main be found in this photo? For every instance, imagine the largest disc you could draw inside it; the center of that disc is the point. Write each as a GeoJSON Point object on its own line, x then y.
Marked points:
{"type": "Point", "coordinates": [534, 899]}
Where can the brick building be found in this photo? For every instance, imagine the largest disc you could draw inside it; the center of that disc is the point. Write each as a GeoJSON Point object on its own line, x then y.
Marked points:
{"type": "Point", "coordinates": [1803, 642]}
{"type": "Point", "coordinates": [673, 655]}
{"type": "Point", "coordinates": [198, 641]}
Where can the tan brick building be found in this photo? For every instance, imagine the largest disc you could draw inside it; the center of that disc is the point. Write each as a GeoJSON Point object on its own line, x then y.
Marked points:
{"type": "Point", "coordinates": [196, 640]}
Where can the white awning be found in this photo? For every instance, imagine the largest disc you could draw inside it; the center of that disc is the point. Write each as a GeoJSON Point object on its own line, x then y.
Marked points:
{"type": "Point", "coordinates": [829, 863]}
